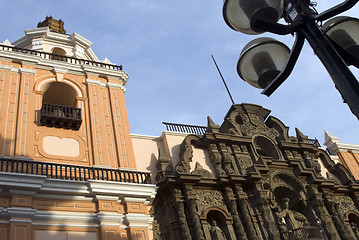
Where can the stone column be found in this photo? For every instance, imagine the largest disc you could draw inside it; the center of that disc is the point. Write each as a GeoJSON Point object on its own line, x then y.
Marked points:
{"type": "Point", "coordinates": [337, 221]}
{"type": "Point", "coordinates": [192, 206]}
{"type": "Point", "coordinates": [264, 201]}
{"type": "Point", "coordinates": [326, 221]}
{"type": "Point", "coordinates": [232, 206]}
{"type": "Point", "coordinates": [179, 208]}
{"type": "Point", "coordinates": [248, 224]}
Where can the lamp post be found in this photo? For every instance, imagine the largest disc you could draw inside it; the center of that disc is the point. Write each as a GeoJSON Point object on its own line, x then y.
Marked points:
{"type": "Point", "coordinates": [266, 63]}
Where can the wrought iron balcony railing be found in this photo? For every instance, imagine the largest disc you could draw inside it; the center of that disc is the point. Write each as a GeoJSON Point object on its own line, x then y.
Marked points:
{"type": "Point", "coordinates": [67, 59]}
{"type": "Point", "coordinates": [315, 142]}
{"type": "Point", "coordinates": [72, 172]}
{"type": "Point", "coordinates": [183, 128]}
{"type": "Point", "coordinates": [53, 115]}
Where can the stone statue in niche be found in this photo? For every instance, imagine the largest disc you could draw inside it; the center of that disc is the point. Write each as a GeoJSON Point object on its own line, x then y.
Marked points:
{"type": "Point", "coordinates": [216, 232]}
{"type": "Point", "coordinates": [289, 219]}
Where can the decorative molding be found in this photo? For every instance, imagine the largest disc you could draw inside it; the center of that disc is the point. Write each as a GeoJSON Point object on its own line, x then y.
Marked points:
{"type": "Point", "coordinates": [108, 85]}
{"type": "Point", "coordinates": [147, 137]}
{"type": "Point", "coordinates": [147, 191]}
{"type": "Point", "coordinates": [334, 146]}
{"type": "Point", "coordinates": [23, 181]}
{"type": "Point", "coordinates": [106, 218]}
{"type": "Point", "coordinates": [138, 220]}
{"type": "Point", "coordinates": [5, 67]}
{"type": "Point", "coordinates": [28, 71]}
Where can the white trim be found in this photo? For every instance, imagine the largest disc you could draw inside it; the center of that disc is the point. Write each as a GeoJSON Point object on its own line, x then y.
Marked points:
{"type": "Point", "coordinates": [21, 180]}
{"type": "Point", "coordinates": [147, 191]}
{"type": "Point", "coordinates": [106, 218]}
{"type": "Point", "coordinates": [137, 220]}
{"type": "Point", "coordinates": [116, 85]}
{"type": "Point", "coordinates": [65, 225]}
{"type": "Point", "coordinates": [5, 67]}
{"type": "Point", "coordinates": [95, 82]}
{"type": "Point", "coordinates": [139, 136]}
{"type": "Point", "coordinates": [18, 214]}
{"type": "Point", "coordinates": [82, 69]}
{"type": "Point", "coordinates": [334, 146]}
{"type": "Point", "coordinates": [28, 71]}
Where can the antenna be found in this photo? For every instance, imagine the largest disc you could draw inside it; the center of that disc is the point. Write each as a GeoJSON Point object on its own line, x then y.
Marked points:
{"type": "Point", "coordinates": [225, 84]}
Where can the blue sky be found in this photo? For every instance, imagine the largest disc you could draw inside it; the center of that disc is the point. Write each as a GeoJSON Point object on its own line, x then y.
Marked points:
{"type": "Point", "coordinates": [166, 46]}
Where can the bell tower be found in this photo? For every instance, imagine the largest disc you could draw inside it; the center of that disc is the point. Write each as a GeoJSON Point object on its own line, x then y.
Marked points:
{"type": "Point", "coordinates": [66, 156]}
{"type": "Point", "coordinates": [62, 104]}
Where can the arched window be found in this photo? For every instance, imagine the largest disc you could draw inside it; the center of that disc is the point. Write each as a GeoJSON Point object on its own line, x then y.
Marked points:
{"type": "Point", "coordinates": [59, 54]}
{"type": "Point", "coordinates": [59, 106]}
{"type": "Point", "coordinates": [59, 93]}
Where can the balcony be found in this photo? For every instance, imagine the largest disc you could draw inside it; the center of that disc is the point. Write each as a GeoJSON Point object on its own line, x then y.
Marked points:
{"type": "Point", "coordinates": [59, 116]}
{"type": "Point", "coordinates": [72, 172]}
{"type": "Point", "coordinates": [72, 60]}
{"type": "Point", "coordinates": [184, 128]}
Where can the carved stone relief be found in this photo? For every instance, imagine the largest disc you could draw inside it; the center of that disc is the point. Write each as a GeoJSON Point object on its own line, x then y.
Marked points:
{"type": "Point", "coordinates": [210, 198]}
{"type": "Point", "coordinates": [247, 124]}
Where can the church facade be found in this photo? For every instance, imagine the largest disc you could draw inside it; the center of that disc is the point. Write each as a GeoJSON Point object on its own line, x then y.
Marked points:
{"type": "Point", "coordinates": [248, 179]}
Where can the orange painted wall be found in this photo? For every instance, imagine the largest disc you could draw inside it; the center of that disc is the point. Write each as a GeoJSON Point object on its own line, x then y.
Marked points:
{"type": "Point", "coordinates": [103, 137]}
{"type": "Point", "coordinates": [351, 161]}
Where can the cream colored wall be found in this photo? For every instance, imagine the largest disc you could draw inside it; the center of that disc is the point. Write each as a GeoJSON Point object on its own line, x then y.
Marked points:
{"type": "Point", "coordinates": [201, 156]}
{"type": "Point", "coordinates": [146, 151]}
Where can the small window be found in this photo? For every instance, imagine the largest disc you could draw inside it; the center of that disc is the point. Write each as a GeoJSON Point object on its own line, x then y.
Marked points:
{"type": "Point", "coordinates": [58, 54]}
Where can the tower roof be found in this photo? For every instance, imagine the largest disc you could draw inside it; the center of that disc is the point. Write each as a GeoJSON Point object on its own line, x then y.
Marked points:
{"type": "Point", "coordinates": [53, 24]}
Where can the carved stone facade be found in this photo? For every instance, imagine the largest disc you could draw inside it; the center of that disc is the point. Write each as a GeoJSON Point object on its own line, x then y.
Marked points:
{"type": "Point", "coordinates": [259, 183]}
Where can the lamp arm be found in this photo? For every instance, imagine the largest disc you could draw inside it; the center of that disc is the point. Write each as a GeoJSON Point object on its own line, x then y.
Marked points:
{"type": "Point", "coordinates": [272, 27]}
{"type": "Point", "coordinates": [284, 74]}
{"type": "Point", "coordinates": [331, 12]}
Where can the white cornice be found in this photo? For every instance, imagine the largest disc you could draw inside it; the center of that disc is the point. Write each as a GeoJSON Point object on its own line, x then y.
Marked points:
{"type": "Point", "coordinates": [66, 186]}
{"type": "Point", "coordinates": [48, 63]}
{"type": "Point", "coordinates": [107, 217]}
{"type": "Point", "coordinates": [77, 38]}
{"type": "Point", "coordinates": [21, 181]}
{"type": "Point", "coordinates": [146, 191]}
{"type": "Point", "coordinates": [147, 137]}
{"type": "Point", "coordinates": [42, 187]}
{"type": "Point", "coordinates": [117, 74]}
{"type": "Point", "coordinates": [334, 146]}
{"type": "Point", "coordinates": [96, 82]}
{"type": "Point", "coordinates": [138, 220]}
{"type": "Point", "coordinates": [28, 71]}
{"type": "Point", "coordinates": [5, 67]}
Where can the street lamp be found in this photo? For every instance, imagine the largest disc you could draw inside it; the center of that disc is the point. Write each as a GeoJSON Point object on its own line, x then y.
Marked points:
{"type": "Point", "coordinates": [266, 63]}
